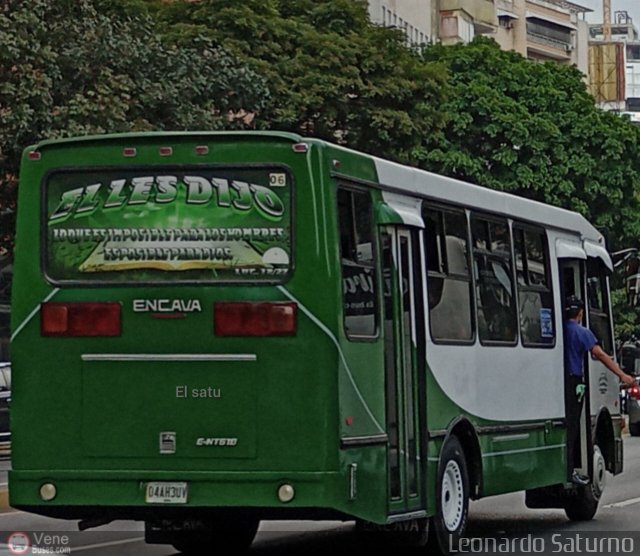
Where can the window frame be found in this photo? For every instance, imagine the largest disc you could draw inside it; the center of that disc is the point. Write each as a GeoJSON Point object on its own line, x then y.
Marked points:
{"type": "Point", "coordinates": [603, 275]}
{"type": "Point", "coordinates": [441, 210]}
{"type": "Point", "coordinates": [522, 227]}
{"type": "Point", "coordinates": [496, 219]}
{"type": "Point", "coordinates": [375, 268]}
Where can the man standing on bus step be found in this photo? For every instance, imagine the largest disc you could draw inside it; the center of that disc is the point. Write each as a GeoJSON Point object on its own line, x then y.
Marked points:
{"type": "Point", "coordinates": [579, 341]}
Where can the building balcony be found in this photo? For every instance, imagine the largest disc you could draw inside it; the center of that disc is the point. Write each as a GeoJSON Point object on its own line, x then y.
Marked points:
{"type": "Point", "coordinates": [548, 47]}
{"type": "Point", "coordinates": [483, 12]}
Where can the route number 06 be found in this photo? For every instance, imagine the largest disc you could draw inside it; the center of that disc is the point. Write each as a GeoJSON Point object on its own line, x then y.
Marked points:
{"type": "Point", "coordinates": [277, 180]}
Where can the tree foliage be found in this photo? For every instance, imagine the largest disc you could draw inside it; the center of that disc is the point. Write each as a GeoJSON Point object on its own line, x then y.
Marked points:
{"type": "Point", "coordinates": [75, 67]}
{"type": "Point", "coordinates": [331, 73]}
{"type": "Point", "coordinates": [317, 67]}
{"type": "Point", "coordinates": [531, 128]}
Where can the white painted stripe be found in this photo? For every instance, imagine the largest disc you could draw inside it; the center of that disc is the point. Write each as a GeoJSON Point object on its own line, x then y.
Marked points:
{"type": "Point", "coordinates": [32, 314]}
{"type": "Point", "coordinates": [624, 503]}
{"type": "Point", "coordinates": [523, 451]}
{"type": "Point", "coordinates": [342, 357]}
{"type": "Point", "coordinates": [106, 544]}
{"type": "Point", "coordinates": [510, 437]}
{"type": "Point", "coordinates": [169, 357]}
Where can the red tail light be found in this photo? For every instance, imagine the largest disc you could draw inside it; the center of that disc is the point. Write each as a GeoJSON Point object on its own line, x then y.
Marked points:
{"type": "Point", "coordinates": [80, 319]}
{"type": "Point", "coordinates": [255, 319]}
{"type": "Point", "coordinates": [634, 392]}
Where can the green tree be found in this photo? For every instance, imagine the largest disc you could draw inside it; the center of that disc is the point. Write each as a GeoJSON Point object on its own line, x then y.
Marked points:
{"type": "Point", "coordinates": [332, 74]}
{"type": "Point", "coordinates": [531, 128]}
{"type": "Point", "coordinates": [75, 67]}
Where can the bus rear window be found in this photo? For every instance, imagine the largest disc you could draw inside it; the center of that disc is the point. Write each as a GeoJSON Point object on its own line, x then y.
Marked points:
{"type": "Point", "coordinates": [198, 224]}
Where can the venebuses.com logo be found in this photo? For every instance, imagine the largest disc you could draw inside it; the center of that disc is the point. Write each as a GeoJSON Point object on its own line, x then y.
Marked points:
{"type": "Point", "coordinates": [18, 543]}
{"type": "Point", "coordinates": [38, 543]}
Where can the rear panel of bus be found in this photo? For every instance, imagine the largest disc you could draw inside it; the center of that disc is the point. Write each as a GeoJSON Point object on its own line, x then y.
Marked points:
{"type": "Point", "coordinates": [176, 309]}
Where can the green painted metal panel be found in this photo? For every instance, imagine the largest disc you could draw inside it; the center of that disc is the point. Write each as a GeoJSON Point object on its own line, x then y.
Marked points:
{"type": "Point", "coordinates": [289, 408]}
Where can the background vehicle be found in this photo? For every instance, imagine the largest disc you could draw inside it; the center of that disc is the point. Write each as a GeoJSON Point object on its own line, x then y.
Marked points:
{"type": "Point", "coordinates": [246, 326]}
{"type": "Point", "coordinates": [630, 362]}
{"type": "Point", "coordinates": [5, 402]}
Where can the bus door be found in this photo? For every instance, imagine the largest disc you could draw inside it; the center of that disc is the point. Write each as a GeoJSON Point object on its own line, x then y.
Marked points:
{"type": "Point", "coordinates": [604, 388]}
{"type": "Point", "coordinates": [572, 279]}
{"type": "Point", "coordinates": [404, 337]}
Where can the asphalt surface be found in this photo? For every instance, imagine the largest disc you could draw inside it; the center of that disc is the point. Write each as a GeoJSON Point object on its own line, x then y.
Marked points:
{"type": "Point", "coordinates": [492, 522]}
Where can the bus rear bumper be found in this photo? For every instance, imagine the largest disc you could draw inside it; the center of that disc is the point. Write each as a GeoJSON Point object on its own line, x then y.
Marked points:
{"type": "Point", "coordinates": [123, 494]}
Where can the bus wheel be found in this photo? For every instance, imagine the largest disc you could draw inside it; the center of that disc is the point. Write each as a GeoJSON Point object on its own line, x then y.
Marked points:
{"type": "Point", "coordinates": [584, 504]}
{"type": "Point", "coordinates": [452, 497]}
{"type": "Point", "coordinates": [228, 537]}
{"type": "Point", "coordinates": [634, 429]}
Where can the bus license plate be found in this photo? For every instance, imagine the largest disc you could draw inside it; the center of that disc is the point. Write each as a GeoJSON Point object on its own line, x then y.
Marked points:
{"type": "Point", "coordinates": [166, 493]}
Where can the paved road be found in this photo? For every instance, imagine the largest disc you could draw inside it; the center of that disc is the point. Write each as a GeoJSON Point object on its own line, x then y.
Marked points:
{"type": "Point", "coordinates": [501, 517]}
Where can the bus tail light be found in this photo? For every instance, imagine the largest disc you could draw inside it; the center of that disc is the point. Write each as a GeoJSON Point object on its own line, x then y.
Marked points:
{"type": "Point", "coordinates": [80, 319]}
{"type": "Point", "coordinates": [634, 392]}
{"type": "Point", "coordinates": [255, 319]}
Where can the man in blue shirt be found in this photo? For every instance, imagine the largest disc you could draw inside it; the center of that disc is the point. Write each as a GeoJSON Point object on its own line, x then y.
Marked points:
{"type": "Point", "coordinates": [578, 341]}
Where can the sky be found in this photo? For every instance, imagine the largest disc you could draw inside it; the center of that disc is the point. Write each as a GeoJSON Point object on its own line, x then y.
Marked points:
{"type": "Point", "coordinates": [631, 6]}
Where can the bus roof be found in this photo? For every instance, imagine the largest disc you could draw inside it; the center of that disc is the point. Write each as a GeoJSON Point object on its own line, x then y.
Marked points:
{"type": "Point", "coordinates": [141, 135]}
{"type": "Point", "coordinates": [394, 175]}
{"type": "Point", "coordinates": [441, 188]}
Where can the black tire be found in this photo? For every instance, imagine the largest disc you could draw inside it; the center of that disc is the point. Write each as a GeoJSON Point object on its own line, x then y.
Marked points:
{"type": "Point", "coordinates": [634, 429]}
{"type": "Point", "coordinates": [223, 537]}
{"type": "Point", "coordinates": [452, 498]}
{"type": "Point", "coordinates": [583, 504]}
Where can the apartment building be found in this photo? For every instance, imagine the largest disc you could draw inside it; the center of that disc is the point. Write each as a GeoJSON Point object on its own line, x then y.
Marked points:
{"type": "Point", "coordinates": [540, 29]}
{"type": "Point", "coordinates": [553, 30]}
{"type": "Point", "coordinates": [428, 21]}
{"type": "Point", "coordinates": [417, 18]}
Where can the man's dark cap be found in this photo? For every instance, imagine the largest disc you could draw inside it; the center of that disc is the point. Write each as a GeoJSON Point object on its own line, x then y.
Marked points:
{"type": "Point", "coordinates": [572, 303]}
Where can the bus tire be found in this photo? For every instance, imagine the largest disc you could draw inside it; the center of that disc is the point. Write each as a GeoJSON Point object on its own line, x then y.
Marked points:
{"type": "Point", "coordinates": [634, 429]}
{"type": "Point", "coordinates": [452, 498]}
{"type": "Point", "coordinates": [583, 505]}
{"type": "Point", "coordinates": [223, 536]}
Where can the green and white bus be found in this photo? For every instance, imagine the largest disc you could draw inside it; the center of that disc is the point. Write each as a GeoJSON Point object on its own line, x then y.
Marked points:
{"type": "Point", "coordinates": [212, 329]}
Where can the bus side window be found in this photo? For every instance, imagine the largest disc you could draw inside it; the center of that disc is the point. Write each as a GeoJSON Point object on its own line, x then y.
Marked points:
{"type": "Point", "coordinates": [357, 261]}
{"type": "Point", "coordinates": [534, 288]}
{"type": "Point", "coordinates": [495, 304]}
{"type": "Point", "coordinates": [598, 304]}
{"type": "Point", "coordinates": [448, 278]}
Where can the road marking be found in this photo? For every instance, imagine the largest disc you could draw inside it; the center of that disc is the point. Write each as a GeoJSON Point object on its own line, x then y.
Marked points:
{"type": "Point", "coordinates": [624, 503]}
{"type": "Point", "coordinates": [106, 544]}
